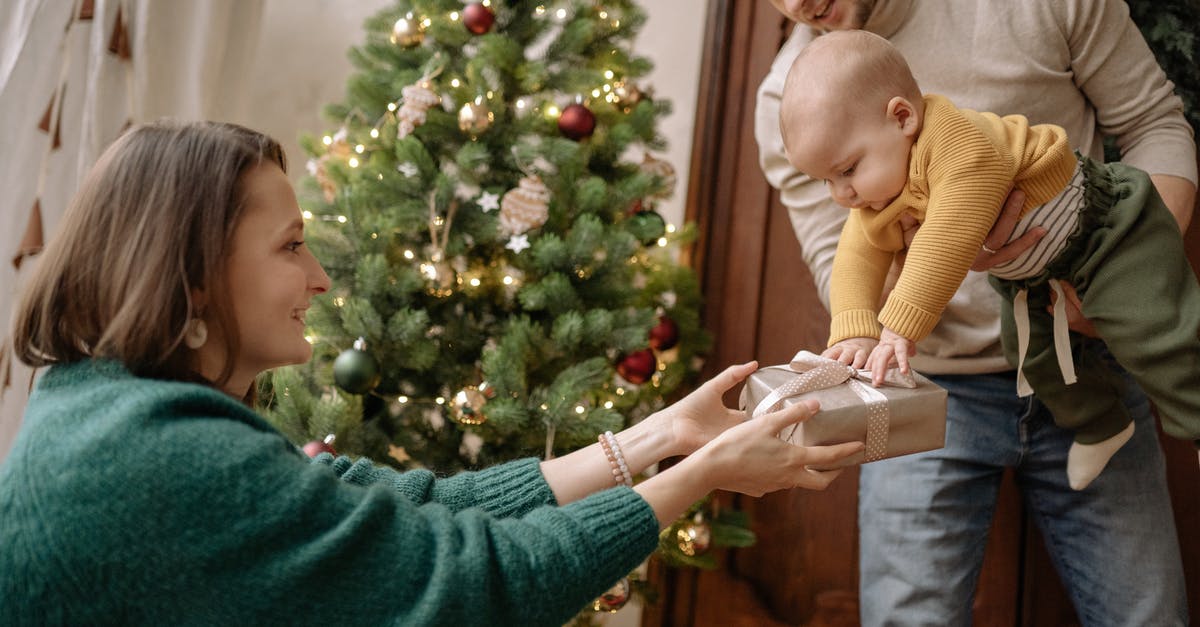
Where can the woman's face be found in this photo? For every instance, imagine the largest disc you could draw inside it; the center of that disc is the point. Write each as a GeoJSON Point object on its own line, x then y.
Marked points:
{"type": "Point", "coordinates": [272, 277]}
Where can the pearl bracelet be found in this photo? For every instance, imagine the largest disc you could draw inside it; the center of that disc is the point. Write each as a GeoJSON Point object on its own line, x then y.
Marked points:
{"type": "Point", "coordinates": [612, 451]}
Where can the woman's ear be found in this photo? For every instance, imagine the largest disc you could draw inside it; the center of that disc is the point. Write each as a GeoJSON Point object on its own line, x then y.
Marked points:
{"type": "Point", "coordinates": [904, 114]}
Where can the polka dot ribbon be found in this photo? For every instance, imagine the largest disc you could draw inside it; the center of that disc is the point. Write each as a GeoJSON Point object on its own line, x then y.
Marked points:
{"type": "Point", "coordinates": [818, 373]}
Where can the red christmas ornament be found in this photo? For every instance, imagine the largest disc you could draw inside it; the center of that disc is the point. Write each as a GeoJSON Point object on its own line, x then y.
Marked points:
{"type": "Point", "coordinates": [636, 367]}
{"type": "Point", "coordinates": [477, 18]}
{"type": "Point", "coordinates": [664, 335]}
{"type": "Point", "coordinates": [577, 122]}
{"type": "Point", "coordinates": [316, 447]}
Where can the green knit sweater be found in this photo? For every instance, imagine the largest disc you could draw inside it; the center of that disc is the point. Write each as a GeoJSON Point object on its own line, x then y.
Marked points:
{"type": "Point", "coordinates": [137, 501]}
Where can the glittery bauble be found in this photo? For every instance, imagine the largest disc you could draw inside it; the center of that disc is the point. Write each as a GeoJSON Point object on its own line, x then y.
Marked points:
{"type": "Point", "coordinates": [475, 118]}
{"type": "Point", "coordinates": [638, 366]}
{"type": "Point", "coordinates": [356, 371]}
{"type": "Point", "coordinates": [614, 599]}
{"type": "Point", "coordinates": [418, 98]}
{"type": "Point", "coordinates": [694, 536]}
{"type": "Point", "coordinates": [627, 95]}
{"type": "Point", "coordinates": [525, 206]}
{"type": "Point", "coordinates": [467, 406]}
{"type": "Point", "coordinates": [664, 335]}
{"type": "Point", "coordinates": [664, 171]}
{"type": "Point", "coordinates": [577, 122]}
{"type": "Point", "coordinates": [408, 32]}
{"type": "Point", "coordinates": [477, 18]}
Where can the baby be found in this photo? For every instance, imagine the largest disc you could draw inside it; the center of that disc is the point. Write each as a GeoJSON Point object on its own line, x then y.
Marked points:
{"type": "Point", "coordinates": [853, 115]}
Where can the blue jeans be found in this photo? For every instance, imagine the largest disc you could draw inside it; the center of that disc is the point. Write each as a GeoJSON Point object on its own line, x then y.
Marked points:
{"type": "Point", "coordinates": [923, 519]}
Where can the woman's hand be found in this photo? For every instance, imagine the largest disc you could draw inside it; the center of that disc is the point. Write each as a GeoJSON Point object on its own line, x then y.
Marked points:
{"type": "Point", "coordinates": [748, 458]}
{"type": "Point", "coordinates": [751, 459]}
{"type": "Point", "coordinates": [697, 418]}
{"type": "Point", "coordinates": [852, 351]}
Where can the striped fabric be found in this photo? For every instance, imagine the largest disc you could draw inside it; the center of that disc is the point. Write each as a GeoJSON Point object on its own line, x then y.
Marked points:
{"type": "Point", "coordinates": [1059, 217]}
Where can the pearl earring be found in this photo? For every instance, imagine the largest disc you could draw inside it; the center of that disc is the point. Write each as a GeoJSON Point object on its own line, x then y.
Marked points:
{"type": "Point", "coordinates": [196, 333]}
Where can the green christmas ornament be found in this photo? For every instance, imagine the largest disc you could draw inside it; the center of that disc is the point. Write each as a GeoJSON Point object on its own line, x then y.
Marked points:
{"type": "Point", "coordinates": [647, 226]}
{"type": "Point", "coordinates": [355, 370]}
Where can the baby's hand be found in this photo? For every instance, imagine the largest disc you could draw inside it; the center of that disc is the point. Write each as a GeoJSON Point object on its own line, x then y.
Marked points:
{"type": "Point", "coordinates": [851, 351]}
{"type": "Point", "coordinates": [892, 347]}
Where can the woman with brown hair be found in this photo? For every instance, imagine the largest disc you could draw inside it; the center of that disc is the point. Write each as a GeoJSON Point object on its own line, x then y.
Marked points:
{"type": "Point", "coordinates": [143, 489]}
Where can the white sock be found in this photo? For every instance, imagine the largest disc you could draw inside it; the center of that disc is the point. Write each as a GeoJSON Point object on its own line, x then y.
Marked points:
{"type": "Point", "coordinates": [1085, 461]}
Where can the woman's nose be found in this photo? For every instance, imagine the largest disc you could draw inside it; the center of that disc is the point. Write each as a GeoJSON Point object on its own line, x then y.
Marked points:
{"type": "Point", "coordinates": [318, 280]}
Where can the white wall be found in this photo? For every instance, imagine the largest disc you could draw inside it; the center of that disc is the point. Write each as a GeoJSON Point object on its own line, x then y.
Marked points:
{"type": "Point", "coordinates": [301, 66]}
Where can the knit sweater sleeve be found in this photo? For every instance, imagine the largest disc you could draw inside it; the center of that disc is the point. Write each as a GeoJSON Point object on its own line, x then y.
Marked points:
{"type": "Point", "coordinates": [181, 506]}
{"type": "Point", "coordinates": [967, 179]}
{"type": "Point", "coordinates": [510, 489]}
{"type": "Point", "coordinates": [856, 282]}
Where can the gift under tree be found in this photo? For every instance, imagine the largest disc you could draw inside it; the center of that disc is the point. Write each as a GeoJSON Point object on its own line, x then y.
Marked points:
{"type": "Point", "coordinates": [485, 207]}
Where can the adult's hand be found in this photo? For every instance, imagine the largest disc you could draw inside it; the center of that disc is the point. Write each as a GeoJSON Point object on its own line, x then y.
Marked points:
{"type": "Point", "coordinates": [697, 418]}
{"type": "Point", "coordinates": [996, 248]}
{"type": "Point", "coordinates": [1075, 318]}
{"type": "Point", "coordinates": [748, 458]}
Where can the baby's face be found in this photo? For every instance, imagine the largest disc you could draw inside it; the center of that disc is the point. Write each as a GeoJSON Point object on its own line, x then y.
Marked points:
{"type": "Point", "coordinates": [863, 158]}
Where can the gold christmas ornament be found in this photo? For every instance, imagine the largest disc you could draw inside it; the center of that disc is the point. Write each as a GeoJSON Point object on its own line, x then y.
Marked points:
{"type": "Point", "coordinates": [663, 170]}
{"type": "Point", "coordinates": [466, 407]}
{"type": "Point", "coordinates": [475, 118]}
{"type": "Point", "coordinates": [627, 95]}
{"type": "Point", "coordinates": [418, 98]}
{"type": "Point", "coordinates": [408, 31]}
{"type": "Point", "coordinates": [525, 207]}
{"type": "Point", "coordinates": [694, 536]}
{"type": "Point", "coordinates": [614, 599]}
{"type": "Point", "coordinates": [441, 277]}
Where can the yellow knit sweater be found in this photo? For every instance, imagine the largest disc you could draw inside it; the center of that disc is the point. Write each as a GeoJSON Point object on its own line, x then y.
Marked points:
{"type": "Point", "coordinates": [960, 171]}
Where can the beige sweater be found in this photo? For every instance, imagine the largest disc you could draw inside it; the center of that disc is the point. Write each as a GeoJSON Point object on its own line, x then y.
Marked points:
{"type": "Point", "coordinates": [1081, 64]}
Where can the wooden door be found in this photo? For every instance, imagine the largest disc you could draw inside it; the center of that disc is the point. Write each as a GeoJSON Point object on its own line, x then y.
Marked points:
{"type": "Point", "coordinates": [803, 570]}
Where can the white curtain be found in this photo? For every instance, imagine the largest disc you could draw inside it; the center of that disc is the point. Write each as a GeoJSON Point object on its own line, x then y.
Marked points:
{"type": "Point", "coordinates": [73, 75]}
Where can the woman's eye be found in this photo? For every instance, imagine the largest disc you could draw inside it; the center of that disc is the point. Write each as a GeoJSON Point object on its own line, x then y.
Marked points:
{"type": "Point", "coordinates": [849, 171]}
{"type": "Point", "coordinates": [294, 246]}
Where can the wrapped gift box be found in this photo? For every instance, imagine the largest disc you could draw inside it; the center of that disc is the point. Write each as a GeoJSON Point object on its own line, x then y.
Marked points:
{"type": "Point", "coordinates": [905, 415]}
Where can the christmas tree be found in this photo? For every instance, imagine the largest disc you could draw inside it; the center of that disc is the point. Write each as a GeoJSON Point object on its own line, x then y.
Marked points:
{"type": "Point", "coordinates": [502, 284]}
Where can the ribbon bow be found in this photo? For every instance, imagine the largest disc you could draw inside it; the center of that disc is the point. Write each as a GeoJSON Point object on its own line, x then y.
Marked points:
{"type": "Point", "coordinates": [818, 373]}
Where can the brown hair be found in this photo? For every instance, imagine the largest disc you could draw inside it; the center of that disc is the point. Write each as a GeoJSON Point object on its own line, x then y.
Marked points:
{"type": "Point", "coordinates": [151, 222]}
